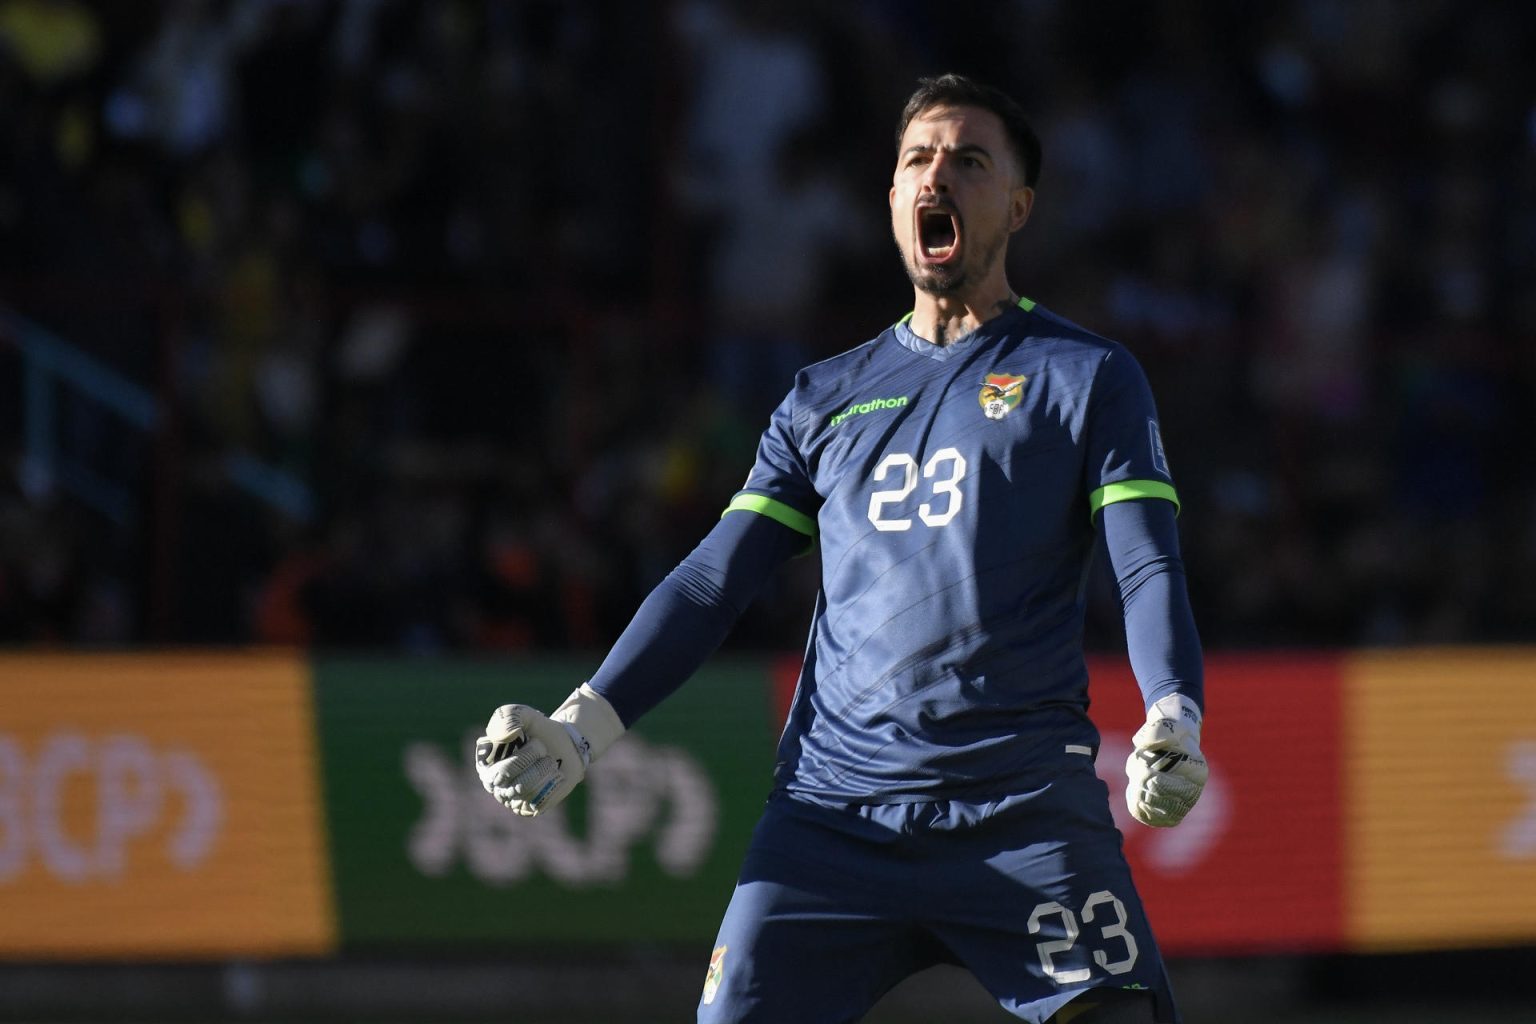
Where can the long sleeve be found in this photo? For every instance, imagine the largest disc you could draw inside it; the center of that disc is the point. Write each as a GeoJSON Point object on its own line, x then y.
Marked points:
{"type": "Point", "coordinates": [690, 612]}
{"type": "Point", "coordinates": [1142, 540]}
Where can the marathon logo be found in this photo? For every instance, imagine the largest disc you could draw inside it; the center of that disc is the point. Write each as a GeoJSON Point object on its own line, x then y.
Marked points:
{"type": "Point", "coordinates": [860, 408]}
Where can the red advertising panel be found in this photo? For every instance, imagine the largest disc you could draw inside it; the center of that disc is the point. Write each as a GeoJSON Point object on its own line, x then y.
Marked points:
{"type": "Point", "coordinates": [1257, 864]}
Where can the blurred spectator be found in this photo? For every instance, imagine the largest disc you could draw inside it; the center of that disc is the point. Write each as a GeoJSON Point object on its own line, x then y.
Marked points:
{"type": "Point", "coordinates": [461, 318]}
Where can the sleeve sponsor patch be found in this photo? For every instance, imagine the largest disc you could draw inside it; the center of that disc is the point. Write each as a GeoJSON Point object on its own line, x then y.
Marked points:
{"type": "Point", "coordinates": [1159, 457]}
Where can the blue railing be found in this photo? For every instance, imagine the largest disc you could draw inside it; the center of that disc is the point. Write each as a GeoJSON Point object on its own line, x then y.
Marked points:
{"type": "Point", "coordinates": [49, 364]}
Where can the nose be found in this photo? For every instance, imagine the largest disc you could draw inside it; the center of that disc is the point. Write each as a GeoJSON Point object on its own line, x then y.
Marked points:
{"type": "Point", "coordinates": [936, 175]}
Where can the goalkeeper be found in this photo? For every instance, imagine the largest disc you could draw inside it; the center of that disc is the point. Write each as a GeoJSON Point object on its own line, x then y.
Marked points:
{"type": "Point", "coordinates": [934, 796]}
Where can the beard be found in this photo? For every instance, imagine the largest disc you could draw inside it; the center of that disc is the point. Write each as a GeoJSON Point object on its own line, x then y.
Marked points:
{"type": "Point", "coordinates": [956, 277]}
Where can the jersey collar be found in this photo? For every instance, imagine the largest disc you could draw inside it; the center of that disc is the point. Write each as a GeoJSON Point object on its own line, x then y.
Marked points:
{"type": "Point", "coordinates": [909, 339]}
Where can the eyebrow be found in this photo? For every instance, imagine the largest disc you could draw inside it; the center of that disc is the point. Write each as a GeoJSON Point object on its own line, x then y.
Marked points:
{"type": "Point", "coordinates": [967, 149]}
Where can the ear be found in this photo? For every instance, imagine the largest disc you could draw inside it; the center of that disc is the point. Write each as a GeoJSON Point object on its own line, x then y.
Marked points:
{"type": "Point", "coordinates": [1020, 202]}
{"type": "Point", "coordinates": [893, 198]}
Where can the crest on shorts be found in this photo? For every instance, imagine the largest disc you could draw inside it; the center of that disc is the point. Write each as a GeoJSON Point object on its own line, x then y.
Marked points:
{"type": "Point", "coordinates": [715, 973]}
{"type": "Point", "coordinates": [1000, 394]}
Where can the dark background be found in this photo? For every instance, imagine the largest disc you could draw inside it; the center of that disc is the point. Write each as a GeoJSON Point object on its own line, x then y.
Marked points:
{"type": "Point", "coordinates": [439, 327]}
{"type": "Point", "coordinates": [456, 323]}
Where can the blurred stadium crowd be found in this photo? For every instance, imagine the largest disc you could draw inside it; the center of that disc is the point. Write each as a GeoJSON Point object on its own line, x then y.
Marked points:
{"type": "Point", "coordinates": [461, 318]}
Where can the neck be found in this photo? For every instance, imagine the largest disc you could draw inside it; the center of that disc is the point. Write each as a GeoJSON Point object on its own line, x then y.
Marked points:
{"type": "Point", "coordinates": [943, 318]}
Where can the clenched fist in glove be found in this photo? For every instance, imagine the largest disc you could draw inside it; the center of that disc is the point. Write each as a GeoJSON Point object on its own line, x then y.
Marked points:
{"type": "Point", "coordinates": [1166, 769]}
{"type": "Point", "coordinates": [530, 762]}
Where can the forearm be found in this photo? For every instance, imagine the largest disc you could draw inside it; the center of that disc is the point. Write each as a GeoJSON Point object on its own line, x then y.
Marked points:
{"type": "Point", "coordinates": [689, 614]}
{"type": "Point", "coordinates": [1142, 541]}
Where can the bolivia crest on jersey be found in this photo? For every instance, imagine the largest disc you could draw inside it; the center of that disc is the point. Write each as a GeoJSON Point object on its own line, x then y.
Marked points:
{"type": "Point", "coordinates": [715, 974]}
{"type": "Point", "coordinates": [1000, 394]}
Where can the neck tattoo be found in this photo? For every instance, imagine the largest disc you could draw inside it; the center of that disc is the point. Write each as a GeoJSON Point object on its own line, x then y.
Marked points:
{"type": "Point", "coordinates": [941, 330]}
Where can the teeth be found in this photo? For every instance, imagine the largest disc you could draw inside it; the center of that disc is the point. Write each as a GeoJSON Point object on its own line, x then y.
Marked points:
{"type": "Point", "coordinates": [938, 220]}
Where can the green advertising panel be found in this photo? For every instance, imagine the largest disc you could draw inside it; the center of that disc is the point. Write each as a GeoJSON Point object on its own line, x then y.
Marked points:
{"type": "Point", "coordinates": [647, 848]}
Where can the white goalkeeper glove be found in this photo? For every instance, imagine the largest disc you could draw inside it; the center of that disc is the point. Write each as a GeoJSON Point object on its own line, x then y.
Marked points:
{"type": "Point", "coordinates": [530, 762]}
{"type": "Point", "coordinates": [1166, 770]}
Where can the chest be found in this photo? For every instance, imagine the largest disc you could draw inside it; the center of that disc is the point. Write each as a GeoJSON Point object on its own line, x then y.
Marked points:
{"type": "Point", "coordinates": [1002, 422]}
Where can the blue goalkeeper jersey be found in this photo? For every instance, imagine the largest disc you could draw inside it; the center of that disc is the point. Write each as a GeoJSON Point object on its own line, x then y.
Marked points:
{"type": "Point", "coordinates": [952, 492]}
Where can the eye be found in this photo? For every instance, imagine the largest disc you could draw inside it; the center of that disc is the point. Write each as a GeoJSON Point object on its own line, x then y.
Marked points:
{"type": "Point", "coordinates": [971, 161]}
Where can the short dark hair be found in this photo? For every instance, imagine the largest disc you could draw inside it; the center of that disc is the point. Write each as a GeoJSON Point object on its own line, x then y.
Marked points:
{"type": "Point", "coordinates": [953, 90]}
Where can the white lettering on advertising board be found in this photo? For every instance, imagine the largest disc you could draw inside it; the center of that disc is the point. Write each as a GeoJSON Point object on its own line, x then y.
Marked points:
{"type": "Point", "coordinates": [640, 793]}
{"type": "Point", "coordinates": [135, 790]}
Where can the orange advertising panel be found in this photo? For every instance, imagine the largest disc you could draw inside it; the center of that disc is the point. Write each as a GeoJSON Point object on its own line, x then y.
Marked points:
{"type": "Point", "coordinates": [1441, 796]}
{"type": "Point", "coordinates": [160, 805]}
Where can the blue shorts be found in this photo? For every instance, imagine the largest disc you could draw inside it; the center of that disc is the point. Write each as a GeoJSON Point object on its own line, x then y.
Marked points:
{"type": "Point", "coordinates": [835, 906]}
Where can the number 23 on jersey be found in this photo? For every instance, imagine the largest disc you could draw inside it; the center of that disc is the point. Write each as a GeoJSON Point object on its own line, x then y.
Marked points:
{"type": "Point", "coordinates": [942, 474]}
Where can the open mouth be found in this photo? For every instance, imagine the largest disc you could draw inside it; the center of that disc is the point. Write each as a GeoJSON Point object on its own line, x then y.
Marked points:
{"type": "Point", "coordinates": [938, 234]}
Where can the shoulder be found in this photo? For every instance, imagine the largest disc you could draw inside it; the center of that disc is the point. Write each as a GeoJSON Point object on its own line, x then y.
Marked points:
{"type": "Point", "coordinates": [822, 385]}
{"type": "Point", "coordinates": [1095, 356]}
{"type": "Point", "coordinates": [846, 363]}
{"type": "Point", "coordinates": [1069, 336]}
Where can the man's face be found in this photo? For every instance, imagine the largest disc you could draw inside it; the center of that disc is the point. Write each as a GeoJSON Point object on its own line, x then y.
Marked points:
{"type": "Point", "coordinates": [956, 197]}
